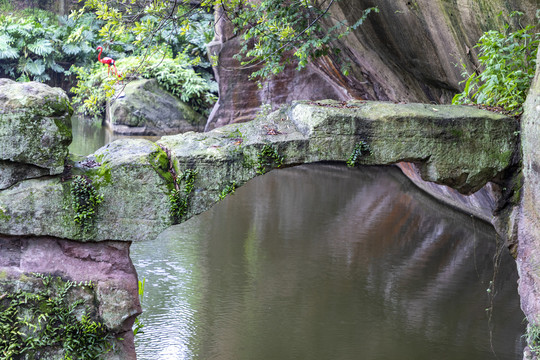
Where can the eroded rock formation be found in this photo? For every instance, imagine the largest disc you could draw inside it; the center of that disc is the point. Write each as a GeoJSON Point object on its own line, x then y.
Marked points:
{"type": "Point", "coordinates": [108, 289]}
{"type": "Point", "coordinates": [462, 147]}
{"type": "Point", "coordinates": [528, 235]}
{"type": "Point", "coordinates": [410, 51]}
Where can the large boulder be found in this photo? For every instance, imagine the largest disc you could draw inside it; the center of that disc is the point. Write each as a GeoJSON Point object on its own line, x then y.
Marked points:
{"type": "Point", "coordinates": [144, 108]}
{"type": "Point", "coordinates": [35, 131]}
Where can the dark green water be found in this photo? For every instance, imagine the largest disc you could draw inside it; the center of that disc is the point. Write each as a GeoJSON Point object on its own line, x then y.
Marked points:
{"type": "Point", "coordinates": [324, 262]}
{"type": "Point", "coordinates": [88, 137]}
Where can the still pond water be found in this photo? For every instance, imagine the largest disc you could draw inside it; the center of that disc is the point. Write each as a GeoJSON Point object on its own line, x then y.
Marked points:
{"type": "Point", "coordinates": [323, 262]}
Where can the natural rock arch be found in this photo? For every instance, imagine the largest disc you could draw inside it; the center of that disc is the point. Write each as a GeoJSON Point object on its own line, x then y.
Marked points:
{"type": "Point", "coordinates": [462, 147]}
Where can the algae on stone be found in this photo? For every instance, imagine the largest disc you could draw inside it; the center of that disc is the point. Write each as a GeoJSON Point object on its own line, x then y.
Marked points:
{"type": "Point", "coordinates": [459, 146]}
{"type": "Point", "coordinates": [35, 131]}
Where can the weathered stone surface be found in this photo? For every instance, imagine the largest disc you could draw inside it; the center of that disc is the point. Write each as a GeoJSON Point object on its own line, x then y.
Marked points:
{"type": "Point", "coordinates": [406, 52]}
{"type": "Point", "coordinates": [240, 98]}
{"type": "Point", "coordinates": [528, 252]}
{"type": "Point", "coordinates": [481, 204]}
{"type": "Point", "coordinates": [12, 172]}
{"type": "Point", "coordinates": [113, 299]}
{"type": "Point", "coordinates": [462, 147]}
{"type": "Point", "coordinates": [456, 146]}
{"type": "Point", "coordinates": [146, 109]}
{"type": "Point", "coordinates": [35, 130]}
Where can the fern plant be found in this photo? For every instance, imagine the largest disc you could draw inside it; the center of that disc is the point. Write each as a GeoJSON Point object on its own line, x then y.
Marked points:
{"type": "Point", "coordinates": [37, 45]}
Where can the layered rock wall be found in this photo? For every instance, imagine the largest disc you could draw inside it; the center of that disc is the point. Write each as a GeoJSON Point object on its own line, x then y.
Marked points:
{"type": "Point", "coordinates": [528, 254]}
{"type": "Point", "coordinates": [66, 287]}
{"type": "Point", "coordinates": [410, 51]}
{"type": "Point", "coordinates": [108, 289]}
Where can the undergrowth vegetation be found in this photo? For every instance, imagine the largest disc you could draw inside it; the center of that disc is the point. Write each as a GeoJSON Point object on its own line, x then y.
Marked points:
{"type": "Point", "coordinates": [176, 75]}
{"type": "Point", "coordinates": [267, 159]}
{"type": "Point", "coordinates": [84, 202]}
{"type": "Point", "coordinates": [532, 336]}
{"type": "Point", "coordinates": [507, 66]}
{"type": "Point", "coordinates": [360, 149]}
{"type": "Point", "coordinates": [36, 45]}
{"type": "Point", "coordinates": [35, 323]}
{"type": "Point", "coordinates": [175, 60]}
{"type": "Point", "coordinates": [40, 45]}
{"type": "Point", "coordinates": [180, 197]}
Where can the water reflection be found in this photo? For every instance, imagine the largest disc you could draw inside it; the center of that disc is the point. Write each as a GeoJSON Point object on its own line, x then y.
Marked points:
{"type": "Point", "coordinates": [325, 262]}
{"type": "Point", "coordinates": [88, 136]}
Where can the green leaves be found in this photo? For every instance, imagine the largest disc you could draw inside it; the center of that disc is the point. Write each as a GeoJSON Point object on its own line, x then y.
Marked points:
{"type": "Point", "coordinates": [177, 76]}
{"type": "Point", "coordinates": [31, 47]}
{"type": "Point", "coordinates": [41, 47]}
{"type": "Point", "coordinates": [273, 32]}
{"type": "Point", "coordinates": [360, 149]}
{"type": "Point", "coordinates": [228, 189]}
{"type": "Point", "coordinates": [267, 159]}
{"type": "Point", "coordinates": [6, 51]}
{"type": "Point", "coordinates": [179, 199]}
{"type": "Point", "coordinates": [43, 319]}
{"type": "Point", "coordinates": [84, 202]}
{"type": "Point", "coordinates": [508, 62]}
{"type": "Point", "coordinates": [36, 67]}
{"type": "Point", "coordinates": [286, 31]}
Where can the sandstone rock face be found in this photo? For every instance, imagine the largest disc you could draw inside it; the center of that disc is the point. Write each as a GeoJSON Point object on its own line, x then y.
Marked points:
{"type": "Point", "coordinates": [406, 52]}
{"type": "Point", "coordinates": [146, 109]}
{"type": "Point", "coordinates": [460, 146]}
{"type": "Point", "coordinates": [528, 253]}
{"type": "Point", "coordinates": [112, 299]}
{"type": "Point", "coordinates": [481, 204]}
{"type": "Point", "coordinates": [35, 131]}
{"type": "Point", "coordinates": [240, 98]}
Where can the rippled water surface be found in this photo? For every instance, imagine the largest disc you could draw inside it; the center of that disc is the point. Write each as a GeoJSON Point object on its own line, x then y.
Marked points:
{"type": "Point", "coordinates": [323, 262]}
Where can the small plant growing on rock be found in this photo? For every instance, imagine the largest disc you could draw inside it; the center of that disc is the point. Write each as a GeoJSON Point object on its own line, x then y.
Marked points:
{"type": "Point", "coordinates": [139, 325]}
{"type": "Point", "coordinates": [360, 149]}
{"type": "Point", "coordinates": [43, 319]}
{"type": "Point", "coordinates": [179, 199]}
{"type": "Point", "coordinates": [84, 201]}
{"type": "Point", "coordinates": [532, 337]}
{"type": "Point", "coordinates": [229, 189]}
{"type": "Point", "coordinates": [267, 159]}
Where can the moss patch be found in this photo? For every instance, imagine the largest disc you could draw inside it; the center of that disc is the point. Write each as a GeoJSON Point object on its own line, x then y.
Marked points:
{"type": "Point", "coordinates": [160, 162]}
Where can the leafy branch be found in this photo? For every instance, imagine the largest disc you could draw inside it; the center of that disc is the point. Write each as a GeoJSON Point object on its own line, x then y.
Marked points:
{"type": "Point", "coordinates": [508, 65]}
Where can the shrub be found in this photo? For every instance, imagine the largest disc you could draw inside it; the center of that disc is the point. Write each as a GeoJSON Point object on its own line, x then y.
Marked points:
{"type": "Point", "coordinates": [508, 63]}
{"type": "Point", "coordinates": [175, 75]}
{"type": "Point", "coordinates": [39, 45]}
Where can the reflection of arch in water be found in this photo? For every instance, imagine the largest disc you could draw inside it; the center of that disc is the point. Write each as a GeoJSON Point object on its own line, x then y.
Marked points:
{"type": "Point", "coordinates": [414, 279]}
